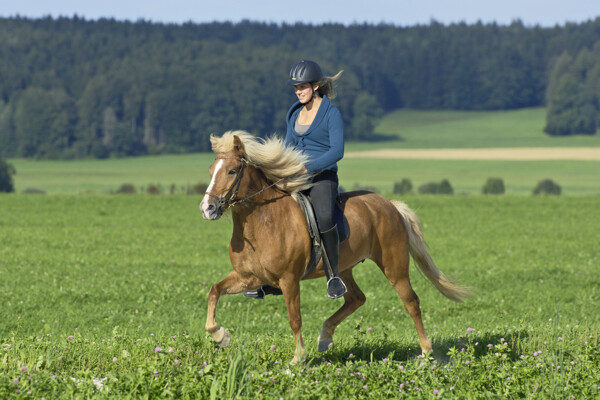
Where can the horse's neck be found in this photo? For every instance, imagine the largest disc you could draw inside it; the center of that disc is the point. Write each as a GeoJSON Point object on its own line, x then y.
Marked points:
{"type": "Point", "coordinates": [265, 204]}
{"type": "Point", "coordinates": [269, 206]}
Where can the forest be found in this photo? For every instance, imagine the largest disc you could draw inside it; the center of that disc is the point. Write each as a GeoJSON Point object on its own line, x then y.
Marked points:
{"type": "Point", "coordinates": [77, 88]}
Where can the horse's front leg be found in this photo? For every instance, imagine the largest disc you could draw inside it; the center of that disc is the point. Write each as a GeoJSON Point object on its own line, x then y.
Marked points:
{"type": "Point", "coordinates": [290, 286]}
{"type": "Point", "coordinates": [232, 284]}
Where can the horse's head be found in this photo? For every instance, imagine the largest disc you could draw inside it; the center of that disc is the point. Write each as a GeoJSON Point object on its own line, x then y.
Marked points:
{"type": "Point", "coordinates": [226, 174]}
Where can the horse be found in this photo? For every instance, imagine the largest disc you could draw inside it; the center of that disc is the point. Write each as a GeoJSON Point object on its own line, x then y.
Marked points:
{"type": "Point", "coordinates": [257, 179]}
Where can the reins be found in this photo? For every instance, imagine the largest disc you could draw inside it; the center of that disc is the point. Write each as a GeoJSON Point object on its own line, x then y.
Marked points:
{"type": "Point", "coordinates": [229, 198]}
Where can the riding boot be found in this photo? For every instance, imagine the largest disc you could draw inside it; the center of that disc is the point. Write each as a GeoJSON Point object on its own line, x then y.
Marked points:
{"type": "Point", "coordinates": [331, 246]}
{"type": "Point", "coordinates": [262, 291]}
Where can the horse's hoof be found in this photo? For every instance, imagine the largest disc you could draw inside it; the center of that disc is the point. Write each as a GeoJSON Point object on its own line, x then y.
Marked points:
{"type": "Point", "coordinates": [299, 356]}
{"type": "Point", "coordinates": [325, 345]}
{"type": "Point", "coordinates": [226, 339]}
{"type": "Point", "coordinates": [222, 337]}
{"type": "Point", "coordinates": [298, 360]}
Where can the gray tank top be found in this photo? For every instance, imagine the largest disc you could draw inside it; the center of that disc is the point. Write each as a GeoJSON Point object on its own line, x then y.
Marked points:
{"type": "Point", "coordinates": [301, 129]}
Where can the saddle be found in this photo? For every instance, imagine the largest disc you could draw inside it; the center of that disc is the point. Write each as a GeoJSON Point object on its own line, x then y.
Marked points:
{"type": "Point", "coordinates": [316, 252]}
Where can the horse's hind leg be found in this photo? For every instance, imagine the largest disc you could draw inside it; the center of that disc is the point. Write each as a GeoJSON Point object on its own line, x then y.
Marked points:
{"type": "Point", "coordinates": [394, 264]}
{"type": "Point", "coordinates": [353, 299]}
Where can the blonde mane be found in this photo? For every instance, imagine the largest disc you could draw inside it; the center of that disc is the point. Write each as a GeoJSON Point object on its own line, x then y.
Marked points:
{"type": "Point", "coordinates": [271, 156]}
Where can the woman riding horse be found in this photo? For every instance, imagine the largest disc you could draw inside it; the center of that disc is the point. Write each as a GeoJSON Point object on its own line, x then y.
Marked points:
{"type": "Point", "coordinates": [257, 180]}
{"type": "Point", "coordinates": [315, 128]}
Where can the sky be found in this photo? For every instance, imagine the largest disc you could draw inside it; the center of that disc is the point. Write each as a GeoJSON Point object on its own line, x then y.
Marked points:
{"type": "Point", "coordinates": [545, 13]}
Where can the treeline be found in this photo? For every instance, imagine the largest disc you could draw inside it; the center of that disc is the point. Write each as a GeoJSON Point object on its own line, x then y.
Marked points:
{"type": "Point", "coordinates": [72, 88]}
{"type": "Point", "coordinates": [574, 93]}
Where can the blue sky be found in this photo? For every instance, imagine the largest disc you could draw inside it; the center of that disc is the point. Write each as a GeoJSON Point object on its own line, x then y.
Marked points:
{"type": "Point", "coordinates": [397, 12]}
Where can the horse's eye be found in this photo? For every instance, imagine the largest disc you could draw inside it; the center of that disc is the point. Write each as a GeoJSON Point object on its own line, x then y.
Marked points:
{"type": "Point", "coordinates": [232, 172]}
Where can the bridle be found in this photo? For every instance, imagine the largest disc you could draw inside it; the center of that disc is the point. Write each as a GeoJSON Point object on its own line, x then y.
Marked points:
{"type": "Point", "coordinates": [228, 200]}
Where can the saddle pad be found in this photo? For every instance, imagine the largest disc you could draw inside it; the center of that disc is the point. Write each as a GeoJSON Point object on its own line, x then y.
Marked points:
{"type": "Point", "coordinates": [342, 223]}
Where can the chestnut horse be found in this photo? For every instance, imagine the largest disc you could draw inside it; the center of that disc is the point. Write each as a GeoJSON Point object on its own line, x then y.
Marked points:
{"type": "Point", "coordinates": [270, 245]}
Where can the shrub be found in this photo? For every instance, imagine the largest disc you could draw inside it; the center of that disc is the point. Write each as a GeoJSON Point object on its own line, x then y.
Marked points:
{"type": "Point", "coordinates": [442, 187]}
{"type": "Point", "coordinates": [547, 187]}
{"type": "Point", "coordinates": [33, 191]}
{"type": "Point", "coordinates": [126, 188]}
{"type": "Point", "coordinates": [6, 173]}
{"type": "Point", "coordinates": [154, 189]}
{"type": "Point", "coordinates": [199, 188]}
{"type": "Point", "coordinates": [428, 188]}
{"type": "Point", "coordinates": [494, 186]}
{"type": "Point", "coordinates": [445, 187]}
{"type": "Point", "coordinates": [403, 187]}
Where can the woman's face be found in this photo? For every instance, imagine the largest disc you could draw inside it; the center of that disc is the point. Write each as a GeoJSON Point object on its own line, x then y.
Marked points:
{"type": "Point", "coordinates": [304, 92]}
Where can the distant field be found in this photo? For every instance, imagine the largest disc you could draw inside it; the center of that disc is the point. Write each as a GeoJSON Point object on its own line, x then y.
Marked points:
{"type": "Point", "coordinates": [466, 176]}
{"type": "Point", "coordinates": [506, 154]}
{"type": "Point", "coordinates": [469, 129]}
{"type": "Point", "coordinates": [409, 129]}
{"type": "Point", "coordinates": [106, 175]}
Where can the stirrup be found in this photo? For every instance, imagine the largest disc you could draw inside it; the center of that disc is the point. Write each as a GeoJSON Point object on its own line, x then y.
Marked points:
{"type": "Point", "coordinates": [258, 294]}
{"type": "Point", "coordinates": [262, 291]}
{"type": "Point", "coordinates": [336, 288]}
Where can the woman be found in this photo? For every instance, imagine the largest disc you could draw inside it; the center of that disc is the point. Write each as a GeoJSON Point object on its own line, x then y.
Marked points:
{"type": "Point", "coordinates": [314, 126]}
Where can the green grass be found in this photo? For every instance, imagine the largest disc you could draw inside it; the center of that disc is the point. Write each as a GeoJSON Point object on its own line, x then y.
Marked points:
{"type": "Point", "coordinates": [91, 285]}
{"type": "Point", "coordinates": [105, 175]}
{"type": "Point", "coordinates": [466, 177]}
{"type": "Point", "coordinates": [469, 129]}
{"type": "Point", "coordinates": [409, 128]}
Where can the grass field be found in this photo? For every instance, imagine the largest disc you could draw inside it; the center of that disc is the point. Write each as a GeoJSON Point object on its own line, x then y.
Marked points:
{"type": "Point", "coordinates": [469, 129]}
{"type": "Point", "coordinates": [466, 177]}
{"type": "Point", "coordinates": [105, 175]}
{"type": "Point", "coordinates": [409, 129]}
{"type": "Point", "coordinates": [105, 296]}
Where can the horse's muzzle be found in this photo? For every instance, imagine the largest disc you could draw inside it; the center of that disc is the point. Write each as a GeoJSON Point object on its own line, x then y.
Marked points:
{"type": "Point", "coordinates": [210, 209]}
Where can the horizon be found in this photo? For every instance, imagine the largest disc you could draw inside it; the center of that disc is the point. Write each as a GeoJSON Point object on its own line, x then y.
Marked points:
{"type": "Point", "coordinates": [400, 13]}
{"type": "Point", "coordinates": [286, 23]}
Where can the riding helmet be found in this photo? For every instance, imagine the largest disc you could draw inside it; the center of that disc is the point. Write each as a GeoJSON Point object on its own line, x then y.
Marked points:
{"type": "Point", "coordinates": [305, 71]}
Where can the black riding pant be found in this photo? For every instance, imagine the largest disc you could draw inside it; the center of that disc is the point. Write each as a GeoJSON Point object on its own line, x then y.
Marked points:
{"type": "Point", "coordinates": [323, 195]}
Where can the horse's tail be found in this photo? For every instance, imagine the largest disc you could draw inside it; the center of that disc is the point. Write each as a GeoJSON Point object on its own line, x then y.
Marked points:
{"type": "Point", "coordinates": [419, 253]}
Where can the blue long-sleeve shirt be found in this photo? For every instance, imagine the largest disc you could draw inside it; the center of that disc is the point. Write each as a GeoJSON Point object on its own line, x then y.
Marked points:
{"type": "Point", "coordinates": [323, 142]}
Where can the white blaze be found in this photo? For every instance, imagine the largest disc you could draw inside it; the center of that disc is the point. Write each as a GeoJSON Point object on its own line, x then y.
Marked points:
{"type": "Point", "coordinates": [206, 200]}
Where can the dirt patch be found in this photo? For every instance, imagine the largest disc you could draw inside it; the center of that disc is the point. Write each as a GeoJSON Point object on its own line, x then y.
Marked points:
{"type": "Point", "coordinates": [509, 154]}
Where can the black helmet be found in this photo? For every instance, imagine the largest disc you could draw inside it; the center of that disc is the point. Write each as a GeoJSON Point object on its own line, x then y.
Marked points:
{"type": "Point", "coordinates": [305, 71]}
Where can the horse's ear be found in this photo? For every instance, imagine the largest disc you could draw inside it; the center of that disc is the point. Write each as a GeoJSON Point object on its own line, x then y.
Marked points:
{"type": "Point", "coordinates": [238, 146]}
